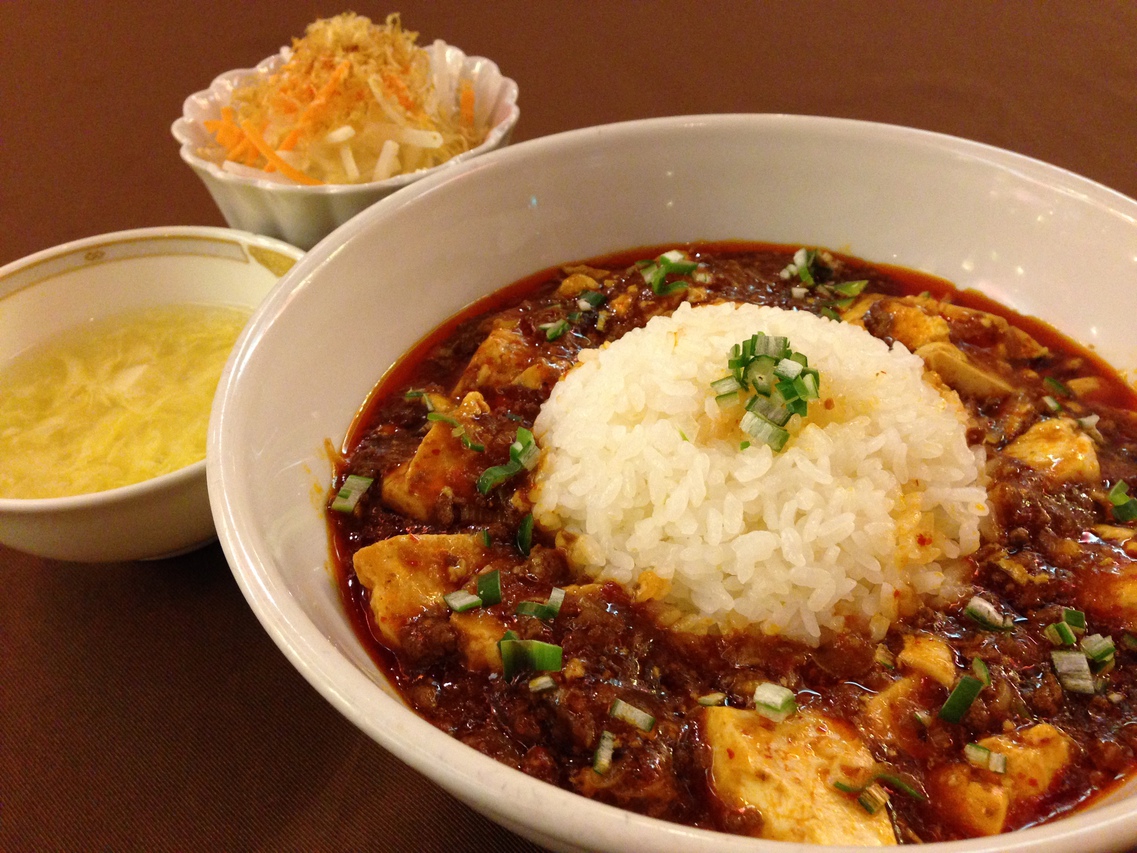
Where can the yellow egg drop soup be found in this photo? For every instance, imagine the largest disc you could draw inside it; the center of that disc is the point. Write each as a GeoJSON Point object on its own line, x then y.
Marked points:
{"type": "Point", "coordinates": [113, 402]}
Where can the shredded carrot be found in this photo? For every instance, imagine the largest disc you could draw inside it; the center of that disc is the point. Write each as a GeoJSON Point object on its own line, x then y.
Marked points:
{"type": "Point", "coordinates": [466, 101]}
{"type": "Point", "coordinates": [274, 158]}
{"type": "Point", "coordinates": [243, 149]}
{"type": "Point", "coordinates": [226, 131]}
{"type": "Point", "coordinates": [399, 89]}
{"type": "Point", "coordinates": [318, 103]}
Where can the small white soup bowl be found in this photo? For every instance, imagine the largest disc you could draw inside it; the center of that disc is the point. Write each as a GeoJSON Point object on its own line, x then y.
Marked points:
{"type": "Point", "coordinates": [47, 293]}
{"type": "Point", "coordinates": [1045, 241]}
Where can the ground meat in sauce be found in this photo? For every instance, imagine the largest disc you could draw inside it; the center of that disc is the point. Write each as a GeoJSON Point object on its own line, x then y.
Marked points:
{"type": "Point", "coordinates": [1052, 543]}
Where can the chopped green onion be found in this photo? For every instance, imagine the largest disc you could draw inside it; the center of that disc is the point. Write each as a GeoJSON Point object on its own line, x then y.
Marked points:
{"type": "Point", "coordinates": [519, 655]}
{"type": "Point", "coordinates": [1060, 634]}
{"type": "Point", "coordinates": [711, 699]}
{"type": "Point", "coordinates": [1127, 511]}
{"type": "Point", "coordinates": [523, 454]}
{"type": "Point", "coordinates": [541, 683]}
{"type": "Point", "coordinates": [350, 492]}
{"type": "Point", "coordinates": [591, 300]}
{"type": "Point", "coordinates": [729, 399]}
{"type": "Point", "coordinates": [458, 432]}
{"type": "Point", "coordinates": [556, 599]}
{"type": "Point", "coordinates": [898, 783]}
{"type": "Point", "coordinates": [811, 382]}
{"type": "Point", "coordinates": [976, 755]}
{"type": "Point", "coordinates": [830, 313]}
{"type": "Point", "coordinates": [630, 714]}
{"type": "Point", "coordinates": [1124, 506]}
{"type": "Point", "coordinates": [524, 449]}
{"type": "Point", "coordinates": [763, 430]}
{"type": "Point", "coordinates": [981, 756]}
{"type": "Point", "coordinates": [493, 477]}
{"type": "Point", "coordinates": [554, 330]}
{"type": "Point", "coordinates": [787, 368]}
{"type": "Point", "coordinates": [1090, 424]}
{"type": "Point", "coordinates": [773, 701]}
{"type": "Point", "coordinates": [1098, 649]}
{"type": "Point", "coordinates": [960, 699]}
{"type": "Point", "coordinates": [987, 615]}
{"type": "Point", "coordinates": [1052, 404]}
{"type": "Point", "coordinates": [1129, 642]}
{"type": "Point", "coordinates": [800, 266]}
{"type": "Point", "coordinates": [805, 387]}
{"type": "Point", "coordinates": [873, 798]}
{"type": "Point", "coordinates": [676, 256]}
{"type": "Point", "coordinates": [759, 373]}
{"type": "Point", "coordinates": [544, 657]}
{"type": "Point", "coordinates": [668, 289]}
{"type": "Point", "coordinates": [982, 671]}
{"type": "Point", "coordinates": [655, 272]}
{"type": "Point", "coordinates": [486, 537]}
{"type": "Point", "coordinates": [602, 758]}
{"type": "Point", "coordinates": [1076, 619]}
{"type": "Point", "coordinates": [489, 587]}
{"type": "Point", "coordinates": [525, 535]}
{"type": "Point", "coordinates": [777, 414]}
{"type": "Point", "coordinates": [726, 385]}
{"type": "Point", "coordinates": [419, 394]}
{"type": "Point", "coordinates": [1058, 387]}
{"type": "Point", "coordinates": [775, 346]}
{"type": "Point", "coordinates": [888, 778]}
{"type": "Point", "coordinates": [851, 288]}
{"type": "Point", "coordinates": [1073, 670]}
{"type": "Point", "coordinates": [460, 601]}
{"type": "Point", "coordinates": [742, 445]}
{"type": "Point", "coordinates": [543, 610]}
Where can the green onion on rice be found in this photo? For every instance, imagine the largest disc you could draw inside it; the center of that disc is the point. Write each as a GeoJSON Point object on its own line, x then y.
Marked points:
{"type": "Point", "coordinates": [867, 510]}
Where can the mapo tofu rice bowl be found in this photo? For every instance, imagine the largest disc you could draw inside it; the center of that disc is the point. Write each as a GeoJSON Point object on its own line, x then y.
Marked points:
{"type": "Point", "coordinates": [719, 544]}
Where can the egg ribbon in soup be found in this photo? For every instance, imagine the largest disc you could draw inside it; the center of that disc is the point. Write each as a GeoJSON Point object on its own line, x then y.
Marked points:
{"type": "Point", "coordinates": [114, 402]}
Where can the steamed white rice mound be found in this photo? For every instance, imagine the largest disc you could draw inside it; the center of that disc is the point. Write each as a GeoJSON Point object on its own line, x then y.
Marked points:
{"type": "Point", "coordinates": [872, 502]}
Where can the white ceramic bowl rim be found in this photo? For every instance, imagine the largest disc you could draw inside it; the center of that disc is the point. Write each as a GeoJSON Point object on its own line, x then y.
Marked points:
{"type": "Point", "coordinates": [33, 506]}
{"type": "Point", "coordinates": [227, 81]}
{"type": "Point", "coordinates": [495, 789]}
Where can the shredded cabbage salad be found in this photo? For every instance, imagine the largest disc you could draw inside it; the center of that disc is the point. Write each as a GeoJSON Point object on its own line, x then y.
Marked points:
{"type": "Point", "coordinates": [353, 102]}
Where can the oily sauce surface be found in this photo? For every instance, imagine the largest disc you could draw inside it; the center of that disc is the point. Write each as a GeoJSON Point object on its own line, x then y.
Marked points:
{"type": "Point", "coordinates": [1052, 543]}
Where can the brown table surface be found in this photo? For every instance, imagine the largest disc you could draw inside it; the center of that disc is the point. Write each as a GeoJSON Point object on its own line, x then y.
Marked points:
{"type": "Point", "coordinates": [142, 707]}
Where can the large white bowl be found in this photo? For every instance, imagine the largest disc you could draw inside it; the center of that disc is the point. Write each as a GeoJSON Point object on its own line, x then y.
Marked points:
{"type": "Point", "coordinates": [1048, 242]}
{"type": "Point", "coordinates": [302, 215]}
{"type": "Point", "coordinates": [63, 287]}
